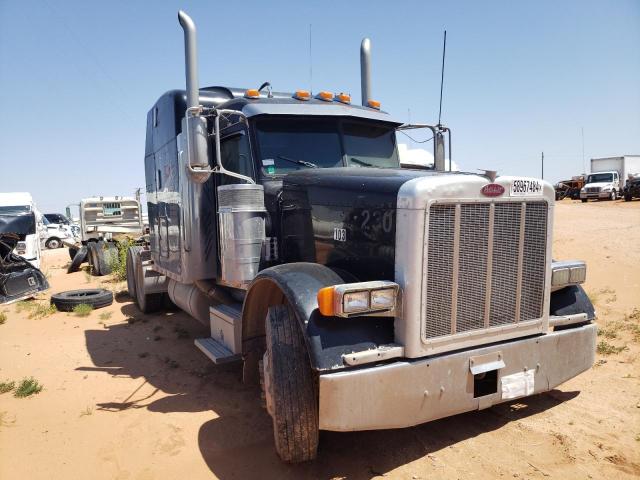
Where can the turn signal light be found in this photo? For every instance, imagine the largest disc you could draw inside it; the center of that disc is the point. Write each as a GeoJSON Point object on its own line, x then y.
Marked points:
{"type": "Point", "coordinates": [302, 95]}
{"type": "Point", "coordinates": [252, 93]}
{"type": "Point", "coordinates": [326, 96]}
{"type": "Point", "coordinates": [325, 301]}
{"type": "Point", "coordinates": [374, 104]}
{"type": "Point", "coordinates": [344, 98]}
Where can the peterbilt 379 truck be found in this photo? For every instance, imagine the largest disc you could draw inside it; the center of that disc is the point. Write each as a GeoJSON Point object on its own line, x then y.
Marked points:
{"type": "Point", "coordinates": [360, 294]}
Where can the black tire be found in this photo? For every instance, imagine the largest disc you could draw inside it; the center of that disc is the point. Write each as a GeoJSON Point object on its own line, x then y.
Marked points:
{"type": "Point", "coordinates": [72, 252]}
{"type": "Point", "coordinates": [96, 297]}
{"type": "Point", "coordinates": [613, 196]}
{"type": "Point", "coordinates": [627, 198]}
{"type": "Point", "coordinates": [292, 387]}
{"type": "Point", "coordinates": [131, 271]}
{"type": "Point", "coordinates": [146, 302]}
{"type": "Point", "coordinates": [80, 257]}
{"type": "Point", "coordinates": [583, 200]}
{"type": "Point", "coordinates": [53, 243]}
{"type": "Point", "coordinates": [107, 253]}
{"type": "Point", "coordinates": [92, 256]}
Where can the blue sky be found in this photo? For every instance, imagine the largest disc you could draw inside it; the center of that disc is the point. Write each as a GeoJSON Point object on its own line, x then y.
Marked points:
{"type": "Point", "coordinates": [77, 78]}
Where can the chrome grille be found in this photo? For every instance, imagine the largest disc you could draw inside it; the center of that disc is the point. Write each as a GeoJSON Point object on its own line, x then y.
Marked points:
{"type": "Point", "coordinates": [593, 190]}
{"type": "Point", "coordinates": [485, 265]}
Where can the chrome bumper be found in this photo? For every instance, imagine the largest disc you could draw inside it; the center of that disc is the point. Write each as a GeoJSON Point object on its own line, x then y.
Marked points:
{"type": "Point", "coordinates": [595, 195]}
{"type": "Point", "coordinates": [407, 393]}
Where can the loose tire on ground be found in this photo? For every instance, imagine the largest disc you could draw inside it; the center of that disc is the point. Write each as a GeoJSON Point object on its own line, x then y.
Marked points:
{"type": "Point", "coordinates": [81, 255]}
{"type": "Point", "coordinates": [72, 252]}
{"type": "Point", "coordinates": [292, 396]}
{"type": "Point", "coordinates": [96, 297]}
{"type": "Point", "coordinates": [92, 256]}
{"type": "Point", "coordinates": [107, 253]}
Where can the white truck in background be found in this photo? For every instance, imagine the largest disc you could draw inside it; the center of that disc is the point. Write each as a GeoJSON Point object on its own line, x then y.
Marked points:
{"type": "Point", "coordinates": [607, 177]}
{"type": "Point", "coordinates": [19, 216]}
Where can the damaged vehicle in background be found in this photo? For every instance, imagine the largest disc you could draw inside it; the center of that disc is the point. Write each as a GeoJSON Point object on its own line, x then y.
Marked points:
{"type": "Point", "coordinates": [19, 248]}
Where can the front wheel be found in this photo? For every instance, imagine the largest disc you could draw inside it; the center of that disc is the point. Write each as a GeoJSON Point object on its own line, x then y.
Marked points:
{"type": "Point", "coordinates": [627, 198]}
{"type": "Point", "coordinates": [291, 387]}
{"type": "Point", "coordinates": [614, 196]}
{"type": "Point", "coordinates": [53, 242]}
{"type": "Point", "coordinates": [583, 200]}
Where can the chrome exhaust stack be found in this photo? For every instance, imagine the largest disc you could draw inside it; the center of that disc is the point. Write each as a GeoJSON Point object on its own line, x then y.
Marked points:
{"type": "Point", "coordinates": [190, 59]}
{"type": "Point", "coordinates": [365, 71]}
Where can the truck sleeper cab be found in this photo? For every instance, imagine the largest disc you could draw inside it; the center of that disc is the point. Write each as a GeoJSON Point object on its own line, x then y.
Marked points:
{"type": "Point", "coordinates": [360, 294]}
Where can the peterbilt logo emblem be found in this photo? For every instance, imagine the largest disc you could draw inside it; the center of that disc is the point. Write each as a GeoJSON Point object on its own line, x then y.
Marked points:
{"type": "Point", "coordinates": [492, 190]}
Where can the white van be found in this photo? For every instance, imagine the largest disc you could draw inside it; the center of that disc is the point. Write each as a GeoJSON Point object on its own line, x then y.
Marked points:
{"type": "Point", "coordinates": [19, 216]}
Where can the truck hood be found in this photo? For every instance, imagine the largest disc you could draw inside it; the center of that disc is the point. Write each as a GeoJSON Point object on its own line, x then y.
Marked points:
{"type": "Point", "coordinates": [599, 185]}
{"type": "Point", "coordinates": [18, 278]}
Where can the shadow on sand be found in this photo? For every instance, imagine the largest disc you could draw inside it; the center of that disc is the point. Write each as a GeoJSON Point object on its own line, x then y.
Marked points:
{"type": "Point", "coordinates": [159, 350]}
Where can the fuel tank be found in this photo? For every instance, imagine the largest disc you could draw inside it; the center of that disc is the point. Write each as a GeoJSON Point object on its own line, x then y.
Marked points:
{"type": "Point", "coordinates": [344, 218]}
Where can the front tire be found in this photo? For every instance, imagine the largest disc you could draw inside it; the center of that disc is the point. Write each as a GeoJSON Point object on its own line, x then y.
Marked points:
{"type": "Point", "coordinates": [583, 200]}
{"type": "Point", "coordinates": [291, 387]}
{"type": "Point", "coordinates": [53, 243]}
{"type": "Point", "coordinates": [614, 196]}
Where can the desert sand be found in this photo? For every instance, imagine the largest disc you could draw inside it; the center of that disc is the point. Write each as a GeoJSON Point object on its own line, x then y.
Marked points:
{"type": "Point", "coordinates": [128, 396]}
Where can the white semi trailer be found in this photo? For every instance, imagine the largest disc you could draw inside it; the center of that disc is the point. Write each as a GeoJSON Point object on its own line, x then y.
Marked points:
{"type": "Point", "coordinates": [608, 176]}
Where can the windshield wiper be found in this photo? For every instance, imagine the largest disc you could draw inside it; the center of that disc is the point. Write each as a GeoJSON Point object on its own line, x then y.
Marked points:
{"type": "Point", "coordinates": [360, 162]}
{"type": "Point", "coordinates": [299, 162]}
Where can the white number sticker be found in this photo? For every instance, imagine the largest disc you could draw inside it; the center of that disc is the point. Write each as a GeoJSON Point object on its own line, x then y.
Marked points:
{"type": "Point", "coordinates": [525, 187]}
{"type": "Point", "coordinates": [340, 234]}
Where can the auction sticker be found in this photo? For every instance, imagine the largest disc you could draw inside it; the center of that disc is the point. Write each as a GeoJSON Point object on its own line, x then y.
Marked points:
{"type": "Point", "coordinates": [524, 187]}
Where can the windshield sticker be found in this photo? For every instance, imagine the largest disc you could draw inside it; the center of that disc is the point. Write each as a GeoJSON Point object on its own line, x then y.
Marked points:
{"type": "Point", "coordinates": [266, 162]}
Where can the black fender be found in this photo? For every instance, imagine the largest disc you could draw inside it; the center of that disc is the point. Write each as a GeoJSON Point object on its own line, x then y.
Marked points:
{"type": "Point", "coordinates": [571, 300]}
{"type": "Point", "coordinates": [327, 338]}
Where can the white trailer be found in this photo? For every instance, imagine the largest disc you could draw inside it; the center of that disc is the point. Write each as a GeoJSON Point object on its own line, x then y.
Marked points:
{"type": "Point", "coordinates": [608, 175]}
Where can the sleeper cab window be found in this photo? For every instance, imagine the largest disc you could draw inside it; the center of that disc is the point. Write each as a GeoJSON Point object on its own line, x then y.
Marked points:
{"type": "Point", "coordinates": [236, 157]}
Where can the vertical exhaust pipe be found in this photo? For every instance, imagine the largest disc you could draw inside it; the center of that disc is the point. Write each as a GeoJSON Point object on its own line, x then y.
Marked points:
{"type": "Point", "coordinates": [365, 70]}
{"type": "Point", "coordinates": [190, 59]}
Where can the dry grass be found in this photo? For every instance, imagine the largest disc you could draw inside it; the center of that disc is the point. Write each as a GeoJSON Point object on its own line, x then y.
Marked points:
{"type": "Point", "coordinates": [105, 316]}
{"type": "Point", "coordinates": [605, 348]}
{"type": "Point", "coordinates": [36, 308]}
{"type": "Point", "coordinates": [3, 318]}
{"type": "Point", "coordinates": [82, 310]}
{"type": "Point", "coordinates": [27, 387]}
{"type": "Point", "coordinates": [6, 387]}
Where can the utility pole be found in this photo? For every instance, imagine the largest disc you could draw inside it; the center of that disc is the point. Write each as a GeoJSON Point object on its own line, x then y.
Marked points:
{"type": "Point", "coordinates": [542, 165]}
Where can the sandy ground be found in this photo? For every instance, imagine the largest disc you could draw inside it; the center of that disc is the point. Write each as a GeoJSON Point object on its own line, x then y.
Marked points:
{"type": "Point", "coordinates": [128, 396]}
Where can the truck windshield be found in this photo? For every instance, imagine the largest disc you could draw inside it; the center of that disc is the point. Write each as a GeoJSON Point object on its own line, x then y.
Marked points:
{"type": "Point", "coordinates": [18, 223]}
{"type": "Point", "coordinates": [288, 144]}
{"type": "Point", "coordinates": [600, 178]}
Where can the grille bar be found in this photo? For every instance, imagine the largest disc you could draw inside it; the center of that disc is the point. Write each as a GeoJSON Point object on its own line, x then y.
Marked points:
{"type": "Point", "coordinates": [485, 266]}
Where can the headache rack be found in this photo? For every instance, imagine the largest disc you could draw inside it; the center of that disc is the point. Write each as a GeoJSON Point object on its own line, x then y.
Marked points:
{"type": "Point", "coordinates": [485, 268]}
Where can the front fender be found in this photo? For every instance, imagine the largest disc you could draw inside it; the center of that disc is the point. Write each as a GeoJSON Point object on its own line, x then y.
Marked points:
{"type": "Point", "coordinates": [327, 338]}
{"type": "Point", "coordinates": [571, 300]}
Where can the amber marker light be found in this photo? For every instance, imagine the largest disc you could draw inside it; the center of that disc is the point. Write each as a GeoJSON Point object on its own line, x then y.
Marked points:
{"type": "Point", "coordinates": [325, 301]}
{"type": "Point", "coordinates": [252, 93]}
{"type": "Point", "coordinates": [302, 95]}
{"type": "Point", "coordinates": [374, 104]}
{"type": "Point", "coordinates": [344, 98]}
{"type": "Point", "coordinates": [326, 96]}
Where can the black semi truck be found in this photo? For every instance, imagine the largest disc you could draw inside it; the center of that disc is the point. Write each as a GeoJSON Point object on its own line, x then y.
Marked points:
{"type": "Point", "coordinates": [362, 295]}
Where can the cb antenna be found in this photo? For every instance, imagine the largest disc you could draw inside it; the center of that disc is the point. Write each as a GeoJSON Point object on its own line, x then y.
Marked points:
{"type": "Point", "coordinates": [444, 52]}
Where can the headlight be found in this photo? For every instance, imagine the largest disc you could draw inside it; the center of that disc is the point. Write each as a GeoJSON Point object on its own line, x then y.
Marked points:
{"type": "Point", "coordinates": [364, 298]}
{"type": "Point", "coordinates": [355, 302]}
{"type": "Point", "coordinates": [563, 274]}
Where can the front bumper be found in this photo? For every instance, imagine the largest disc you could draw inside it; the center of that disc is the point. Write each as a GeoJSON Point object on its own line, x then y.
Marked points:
{"type": "Point", "coordinates": [598, 195]}
{"type": "Point", "coordinates": [407, 393]}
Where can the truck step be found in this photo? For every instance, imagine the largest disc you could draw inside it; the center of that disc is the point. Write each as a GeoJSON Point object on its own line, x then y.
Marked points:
{"type": "Point", "coordinates": [216, 351]}
{"type": "Point", "coordinates": [229, 313]}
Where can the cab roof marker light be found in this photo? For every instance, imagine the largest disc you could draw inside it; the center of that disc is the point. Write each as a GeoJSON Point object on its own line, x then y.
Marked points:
{"type": "Point", "coordinates": [344, 98]}
{"type": "Point", "coordinates": [302, 95]}
{"type": "Point", "coordinates": [252, 93]}
{"type": "Point", "coordinates": [373, 104]}
{"type": "Point", "coordinates": [325, 96]}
